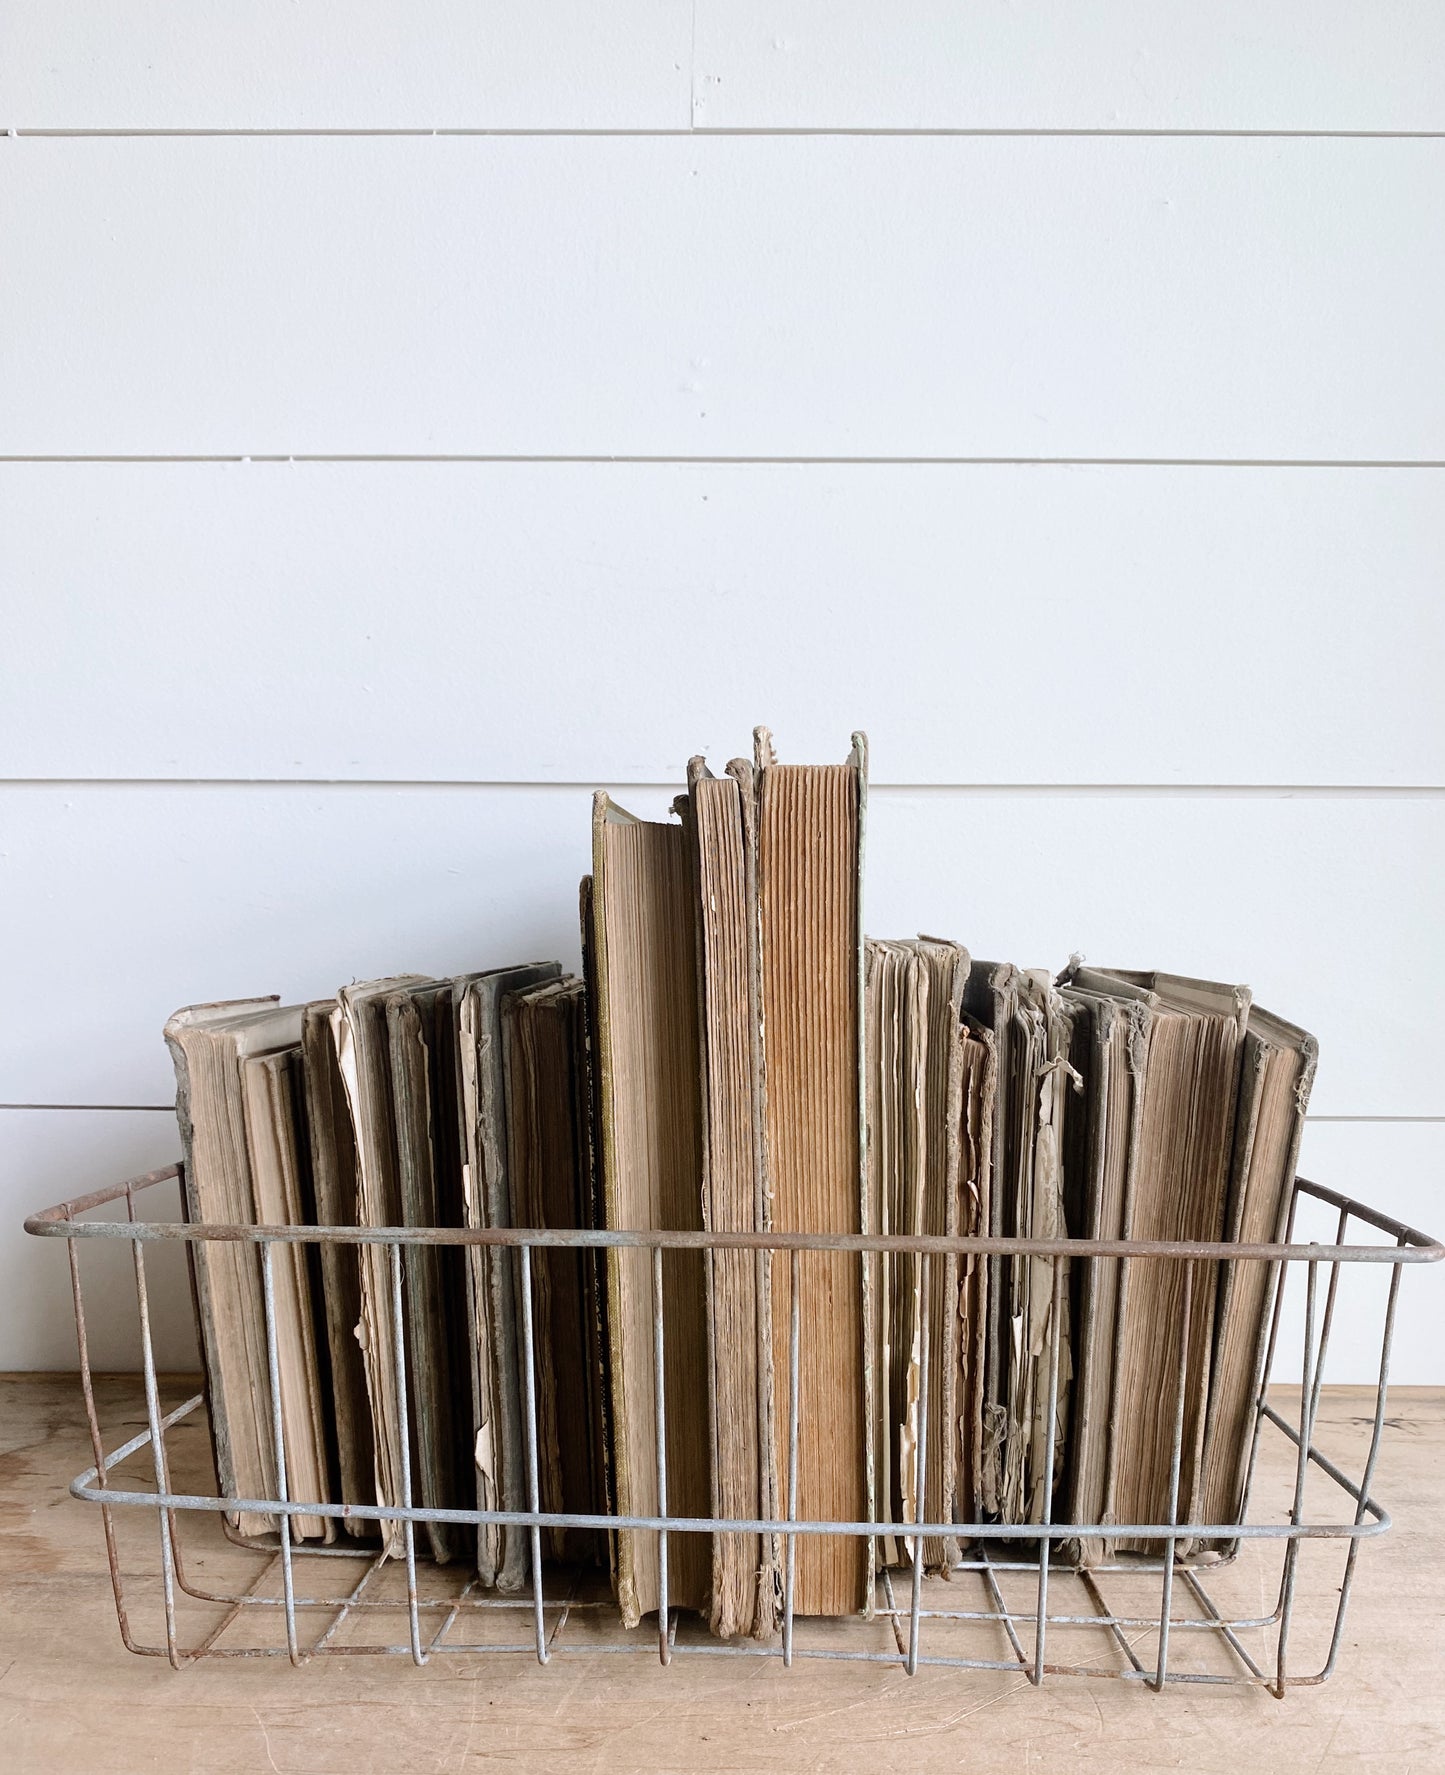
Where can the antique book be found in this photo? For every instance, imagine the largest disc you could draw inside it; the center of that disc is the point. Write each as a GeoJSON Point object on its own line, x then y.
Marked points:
{"type": "Point", "coordinates": [1029, 1318]}
{"type": "Point", "coordinates": [596, 1268]}
{"type": "Point", "coordinates": [549, 1159]}
{"type": "Point", "coordinates": [364, 1061]}
{"type": "Point", "coordinates": [895, 1042]}
{"type": "Point", "coordinates": [1185, 1136]}
{"type": "Point", "coordinates": [645, 962]}
{"type": "Point", "coordinates": [720, 825]}
{"type": "Point", "coordinates": [810, 826]}
{"type": "Point", "coordinates": [208, 1044]}
{"type": "Point", "coordinates": [421, 1037]}
{"type": "Point", "coordinates": [973, 1116]}
{"type": "Point", "coordinates": [945, 969]}
{"type": "Point", "coordinates": [272, 1100]}
{"type": "Point", "coordinates": [1110, 1049]}
{"type": "Point", "coordinates": [1275, 1078]}
{"type": "Point", "coordinates": [930, 1139]}
{"type": "Point", "coordinates": [498, 1454]}
{"type": "Point", "coordinates": [332, 1147]}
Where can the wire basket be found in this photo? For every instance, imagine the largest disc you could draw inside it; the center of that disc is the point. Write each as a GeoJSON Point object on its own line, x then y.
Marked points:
{"type": "Point", "coordinates": [277, 1598]}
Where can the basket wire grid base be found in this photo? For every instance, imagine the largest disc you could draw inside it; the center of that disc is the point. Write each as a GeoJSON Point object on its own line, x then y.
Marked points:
{"type": "Point", "coordinates": [998, 1558]}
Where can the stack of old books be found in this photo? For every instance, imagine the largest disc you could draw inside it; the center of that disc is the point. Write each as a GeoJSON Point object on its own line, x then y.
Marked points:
{"type": "Point", "coordinates": [739, 1058]}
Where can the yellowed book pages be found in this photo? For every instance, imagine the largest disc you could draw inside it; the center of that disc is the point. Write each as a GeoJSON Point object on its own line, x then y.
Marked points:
{"type": "Point", "coordinates": [810, 832]}
{"type": "Point", "coordinates": [1186, 1136]}
{"type": "Point", "coordinates": [647, 1034]}
{"type": "Point", "coordinates": [720, 825]}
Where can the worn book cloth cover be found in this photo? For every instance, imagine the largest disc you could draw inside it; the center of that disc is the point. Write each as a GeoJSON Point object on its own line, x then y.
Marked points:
{"type": "Point", "coordinates": [332, 1147]}
{"type": "Point", "coordinates": [1110, 1050]}
{"type": "Point", "coordinates": [549, 1160]}
{"type": "Point", "coordinates": [272, 1096]}
{"type": "Point", "coordinates": [503, 1551]}
{"type": "Point", "coordinates": [422, 1040]}
{"type": "Point", "coordinates": [364, 1060]}
{"type": "Point", "coordinates": [1029, 1319]}
{"type": "Point", "coordinates": [208, 1044]}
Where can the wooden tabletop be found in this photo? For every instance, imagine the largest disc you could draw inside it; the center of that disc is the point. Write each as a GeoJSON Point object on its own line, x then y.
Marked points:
{"type": "Point", "coordinates": [72, 1698]}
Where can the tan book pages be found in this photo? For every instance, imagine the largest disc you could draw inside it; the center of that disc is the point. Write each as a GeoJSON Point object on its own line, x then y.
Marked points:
{"type": "Point", "coordinates": [810, 834]}
{"type": "Point", "coordinates": [895, 1035]}
{"type": "Point", "coordinates": [946, 967]}
{"type": "Point", "coordinates": [1185, 1135]}
{"type": "Point", "coordinates": [208, 1044]}
{"type": "Point", "coordinates": [333, 1173]}
{"type": "Point", "coordinates": [648, 1065]}
{"type": "Point", "coordinates": [269, 1091]}
{"type": "Point", "coordinates": [744, 1567]}
{"type": "Point", "coordinates": [1277, 1074]}
{"type": "Point", "coordinates": [914, 1041]}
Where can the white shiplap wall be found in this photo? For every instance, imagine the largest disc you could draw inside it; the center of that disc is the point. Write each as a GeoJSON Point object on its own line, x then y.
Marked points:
{"type": "Point", "coordinates": [416, 414]}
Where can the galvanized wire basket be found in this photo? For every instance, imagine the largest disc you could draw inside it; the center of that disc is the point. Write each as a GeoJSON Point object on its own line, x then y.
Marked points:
{"type": "Point", "coordinates": [259, 1605]}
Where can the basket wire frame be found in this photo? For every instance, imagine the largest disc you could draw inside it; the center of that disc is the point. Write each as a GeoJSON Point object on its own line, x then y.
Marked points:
{"type": "Point", "coordinates": [995, 1547]}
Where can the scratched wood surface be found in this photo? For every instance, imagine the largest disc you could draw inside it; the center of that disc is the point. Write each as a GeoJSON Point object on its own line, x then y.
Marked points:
{"type": "Point", "coordinates": [72, 1699]}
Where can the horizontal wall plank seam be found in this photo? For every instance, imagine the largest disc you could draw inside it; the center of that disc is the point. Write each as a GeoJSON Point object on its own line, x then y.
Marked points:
{"type": "Point", "coordinates": [1230, 791]}
{"type": "Point", "coordinates": [500, 457]}
{"type": "Point", "coordinates": [169, 1109]}
{"type": "Point", "coordinates": [785, 132]}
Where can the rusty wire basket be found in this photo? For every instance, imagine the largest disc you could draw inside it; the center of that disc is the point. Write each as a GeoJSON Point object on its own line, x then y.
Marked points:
{"type": "Point", "coordinates": [248, 1599]}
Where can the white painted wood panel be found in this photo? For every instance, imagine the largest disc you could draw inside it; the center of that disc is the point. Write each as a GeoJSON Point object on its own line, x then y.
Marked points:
{"type": "Point", "coordinates": [757, 64]}
{"type": "Point", "coordinates": [365, 64]}
{"type": "Point", "coordinates": [123, 903]}
{"type": "Point", "coordinates": [1398, 1168]}
{"type": "Point", "coordinates": [49, 1156]}
{"type": "Point", "coordinates": [1053, 64]}
{"type": "Point", "coordinates": [407, 621]}
{"type": "Point", "coordinates": [723, 296]}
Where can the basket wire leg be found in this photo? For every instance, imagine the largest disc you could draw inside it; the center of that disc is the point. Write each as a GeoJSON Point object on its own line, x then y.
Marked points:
{"type": "Point", "coordinates": [1308, 1392]}
{"type": "Point", "coordinates": [408, 1529]}
{"type": "Point", "coordinates": [790, 1542]}
{"type": "Point", "coordinates": [1046, 1545]}
{"type": "Point", "coordinates": [1176, 1455]}
{"type": "Point", "coordinates": [273, 1369]}
{"type": "Point", "coordinates": [87, 1387]}
{"type": "Point", "coordinates": [664, 1647]}
{"type": "Point", "coordinates": [158, 1453]}
{"type": "Point", "coordinates": [920, 1469]}
{"type": "Point", "coordinates": [1120, 1637]}
{"type": "Point", "coordinates": [534, 1486]}
{"type": "Point", "coordinates": [1368, 1477]}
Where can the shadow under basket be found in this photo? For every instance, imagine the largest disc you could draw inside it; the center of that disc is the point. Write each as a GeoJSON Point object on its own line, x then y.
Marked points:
{"type": "Point", "coordinates": [1016, 1600]}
